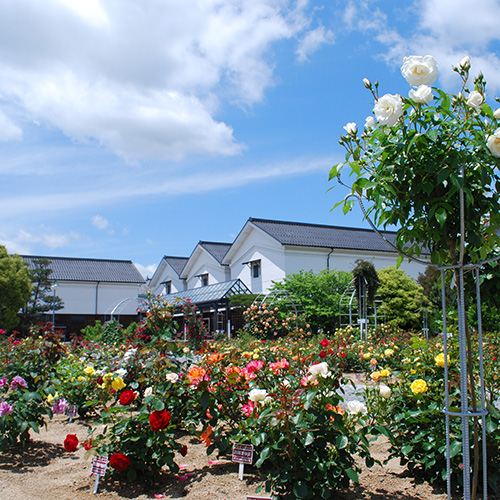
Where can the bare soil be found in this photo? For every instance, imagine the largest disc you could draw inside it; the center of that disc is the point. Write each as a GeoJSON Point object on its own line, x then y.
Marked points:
{"type": "Point", "coordinates": [44, 471]}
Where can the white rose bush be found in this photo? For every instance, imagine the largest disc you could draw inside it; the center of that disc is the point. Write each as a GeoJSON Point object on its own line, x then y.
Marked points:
{"type": "Point", "coordinates": [429, 164]}
{"type": "Point", "coordinates": [416, 153]}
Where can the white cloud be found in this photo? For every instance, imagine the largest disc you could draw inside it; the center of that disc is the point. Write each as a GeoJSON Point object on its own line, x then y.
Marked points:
{"type": "Point", "coordinates": [9, 131]}
{"type": "Point", "coordinates": [171, 185]}
{"type": "Point", "coordinates": [447, 29]}
{"type": "Point", "coordinates": [144, 79]}
{"type": "Point", "coordinates": [22, 242]}
{"type": "Point", "coordinates": [312, 41]}
{"type": "Point", "coordinates": [146, 271]}
{"type": "Point", "coordinates": [100, 222]}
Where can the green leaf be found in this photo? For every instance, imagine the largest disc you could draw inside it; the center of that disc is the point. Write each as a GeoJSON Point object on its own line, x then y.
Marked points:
{"type": "Point", "coordinates": [441, 216]}
{"type": "Point", "coordinates": [341, 442]}
{"type": "Point", "coordinates": [352, 475]}
{"type": "Point", "coordinates": [455, 448]}
{"type": "Point", "coordinates": [158, 405]}
{"type": "Point", "coordinates": [309, 399]}
{"type": "Point", "coordinates": [309, 439]}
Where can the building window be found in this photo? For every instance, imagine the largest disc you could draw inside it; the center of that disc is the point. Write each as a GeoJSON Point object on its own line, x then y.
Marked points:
{"type": "Point", "coordinates": [204, 279]}
{"type": "Point", "coordinates": [168, 287]}
{"type": "Point", "coordinates": [255, 268]}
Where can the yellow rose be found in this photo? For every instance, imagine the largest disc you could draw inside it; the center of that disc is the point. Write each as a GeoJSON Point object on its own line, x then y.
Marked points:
{"type": "Point", "coordinates": [50, 398]}
{"type": "Point", "coordinates": [419, 386]}
{"type": "Point", "coordinates": [389, 352]}
{"type": "Point", "coordinates": [439, 359]}
{"type": "Point", "coordinates": [89, 370]}
{"type": "Point", "coordinates": [367, 355]}
{"type": "Point", "coordinates": [82, 379]}
{"type": "Point", "coordinates": [118, 384]}
{"type": "Point", "coordinates": [385, 373]}
{"type": "Point", "coordinates": [375, 376]}
{"type": "Point", "coordinates": [255, 356]}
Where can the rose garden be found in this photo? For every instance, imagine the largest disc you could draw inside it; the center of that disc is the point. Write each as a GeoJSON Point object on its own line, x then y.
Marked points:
{"type": "Point", "coordinates": [284, 385]}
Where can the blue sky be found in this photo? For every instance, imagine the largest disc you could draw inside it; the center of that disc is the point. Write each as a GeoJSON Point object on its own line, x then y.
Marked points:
{"type": "Point", "coordinates": [132, 129]}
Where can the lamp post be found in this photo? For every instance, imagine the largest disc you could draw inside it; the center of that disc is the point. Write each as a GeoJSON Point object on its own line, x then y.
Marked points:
{"type": "Point", "coordinates": [55, 284]}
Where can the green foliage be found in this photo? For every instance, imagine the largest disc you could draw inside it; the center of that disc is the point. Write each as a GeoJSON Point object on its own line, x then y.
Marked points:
{"type": "Point", "coordinates": [92, 332]}
{"type": "Point", "coordinates": [319, 296]}
{"type": "Point", "coordinates": [33, 359]}
{"type": "Point", "coordinates": [15, 288]}
{"type": "Point", "coordinates": [366, 280]}
{"type": "Point", "coordinates": [402, 299]}
{"type": "Point", "coordinates": [243, 300]}
{"type": "Point", "coordinates": [413, 419]}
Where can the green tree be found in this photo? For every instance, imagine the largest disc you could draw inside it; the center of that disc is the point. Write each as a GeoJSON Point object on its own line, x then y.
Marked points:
{"type": "Point", "coordinates": [402, 298]}
{"type": "Point", "coordinates": [42, 300]}
{"type": "Point", "coordinates": [15, 288]}
{"type": "Point", "coordinates": [318, 294]}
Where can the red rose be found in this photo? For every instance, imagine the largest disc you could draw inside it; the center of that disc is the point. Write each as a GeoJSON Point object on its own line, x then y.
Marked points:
{"type": "Point", "coordinates": [119, 461]}
{"type": "Point", "coordinates": [325, 343]}
{"type": "Point", "coordinates": [127, 396]}
{"type": "Point", "coordinates": [87, 444]}
{"type": "Point", "coordinates": [71, 443]}
{"type": "Point", "coordinates": [184, 449]}
{"type": "Point", "coordinates": [159, 420]}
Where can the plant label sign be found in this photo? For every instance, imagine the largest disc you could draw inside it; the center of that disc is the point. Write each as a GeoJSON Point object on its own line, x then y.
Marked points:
{"type": "Point", "coordinates": [99, 465]}
{"type": "Point", "coordinates": [250, 497]}
{"type": "Point", "coordinates": [243, 453]}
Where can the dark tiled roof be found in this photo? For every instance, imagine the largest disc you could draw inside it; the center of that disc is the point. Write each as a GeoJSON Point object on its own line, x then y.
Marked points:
{"type": "Point", "coordinates": [74, 269]}
{"type": "Point", "coordinates": [217, 250]}
{"type": "Point", "coordinates": [318, 235]}
{"type": "Point", "coordinates": [177, 263]}
{"type": "Point", "coordinates": [209, 293]}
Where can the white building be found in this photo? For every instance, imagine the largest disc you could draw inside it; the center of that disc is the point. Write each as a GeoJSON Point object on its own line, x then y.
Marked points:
{"type": "Point", "coordinates": [267, 250]}
{"type": "Point", "coordinates": [93, 289]}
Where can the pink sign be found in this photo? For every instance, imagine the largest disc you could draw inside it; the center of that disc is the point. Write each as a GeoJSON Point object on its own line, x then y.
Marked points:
{"type": "Point", "coordinates": [243, 453]}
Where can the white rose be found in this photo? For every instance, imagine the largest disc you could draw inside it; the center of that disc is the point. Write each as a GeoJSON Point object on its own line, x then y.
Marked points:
{"type": "Point", "coordinates": [475, 100]}
{"type": "Point", "coordinates": [385, 391]}
{"type": "Point", "coordinates": [422, 95]}
{"type": "Point", "coordinates": [121, 372]}
{"type": "Point", "coordinates": [388, 109]}
{"type": "Point", "coordinates": [318, 369]}
{"type": "Point", "coordinates": [257, 395]}
{"type": "Point", "coordinates": [355, 407]}
{"type": "Point", "coordinates": [465, 63]}
{"type": "Point", "coordinates": [369, 122]}
{"type": "Point", "coordinates": [172, 377]}
{"type": "Point", "coordinates": [419, 70]}
{"type": "Point", "coordinates": [351, 128]}
{"type": "Point", "coordinates": [496, 114]}
{"type": "Point", "coordinates": [493, 143]}
{"type": "Point", "coordinates": [148, 392]}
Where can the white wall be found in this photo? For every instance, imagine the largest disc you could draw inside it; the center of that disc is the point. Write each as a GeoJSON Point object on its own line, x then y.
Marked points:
{"type": "Point", "coordinates": [259, 246]}
{"type": "Point", "coordinates": [164, 273]}
{"type": "Point", "coordinates": [83, 297]}
{"type": "Point", "coordinates": [306, 259]}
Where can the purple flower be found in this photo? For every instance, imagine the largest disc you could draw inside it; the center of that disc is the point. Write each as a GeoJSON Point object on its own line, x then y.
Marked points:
{"type": "Point", "coordinates": [5, 408]}
{"type": "Point", "coordinates": [60, 406]}
{"type": "Point", "coordinates": [3, 381]}
{"type": "Point", "coordinates": [18, 382]}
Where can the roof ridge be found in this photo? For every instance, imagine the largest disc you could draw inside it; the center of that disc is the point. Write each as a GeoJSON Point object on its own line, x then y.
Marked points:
{"type": "Point", "coordinates": [73, 258]}
{"type": "Point", "coordinates": [313, 224]}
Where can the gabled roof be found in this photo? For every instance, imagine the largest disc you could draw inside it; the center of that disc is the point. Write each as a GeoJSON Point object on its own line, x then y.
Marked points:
{"type": "Point", "coordinates": [216, 249]}
{"type": "Point", "coordinates": [75, 269]}
{"type": "Point", "coordinates": [177, 263]}
{"type": "Point", "coordinates": [209, 293]}
{"type": "Point", "coordinates": [319, 235]}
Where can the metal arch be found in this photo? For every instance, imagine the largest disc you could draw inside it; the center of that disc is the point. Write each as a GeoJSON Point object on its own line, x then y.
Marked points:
{"type": "Point", "coordinates": [121, 303]}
